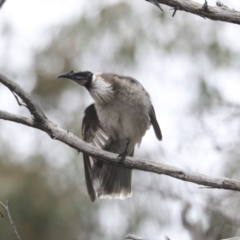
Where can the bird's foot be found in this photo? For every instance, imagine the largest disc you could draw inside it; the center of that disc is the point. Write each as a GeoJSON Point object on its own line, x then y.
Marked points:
{"type": "Point", "coordinates": [121, 157]}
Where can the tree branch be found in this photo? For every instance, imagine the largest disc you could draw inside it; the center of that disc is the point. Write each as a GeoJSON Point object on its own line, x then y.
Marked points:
{"type": "Point", "coordinates": [2, 2]}
{"type": "Point", "coordinates": [235, 238]}
{"type": "Point", "coordinates": [33, 107]}
{"type": "Point", "coordinates": [219, 13]}
{"type": "Point", "coordinates": [133, 237]}
{"type": "Point", "coordinates": [18, 119]}
{"type": "Point", "coordinates": [10, 219]}
{"type": "Point", "coordinates": [74, 142]}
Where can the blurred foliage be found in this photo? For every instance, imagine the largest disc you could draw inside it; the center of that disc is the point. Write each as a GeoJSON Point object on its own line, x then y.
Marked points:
{"type": "Point", "coordinates": [36, 208]}
{"type": "Point", "coordinates": [50, 202]}
{"type": "Point", "coordinates": [208, 98]}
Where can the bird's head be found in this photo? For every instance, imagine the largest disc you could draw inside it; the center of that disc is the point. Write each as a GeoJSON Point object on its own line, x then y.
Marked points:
{"type": "Point", "coordinates": [83, 78]}
{"type": "Point", "coordinates": [100, 89]}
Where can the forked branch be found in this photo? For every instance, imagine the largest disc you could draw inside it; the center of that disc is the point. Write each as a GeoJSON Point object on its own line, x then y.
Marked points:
{"type": "Point", "coordinates": [40, 121]}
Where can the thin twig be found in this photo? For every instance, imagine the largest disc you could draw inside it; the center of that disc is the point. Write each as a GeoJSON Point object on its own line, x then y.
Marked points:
{"type": "Point", "coordinates": [32, 106]}
{"type": "Point", "coordinates": [174, 12]}
{"type": "Point", "coordinates": [220, 4]}
{"type": "Point", "coordinates": [158, 5]}
{"type": "Point", "coordinates": [10, 219]}
{"type": "Point", "coordinates": [16, 97]}
{"type": "Point", "coordinates": [205, 5]}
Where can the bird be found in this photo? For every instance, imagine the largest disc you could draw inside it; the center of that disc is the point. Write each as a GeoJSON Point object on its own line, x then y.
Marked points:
{"type": "Point", "coordinates": [118, 119]}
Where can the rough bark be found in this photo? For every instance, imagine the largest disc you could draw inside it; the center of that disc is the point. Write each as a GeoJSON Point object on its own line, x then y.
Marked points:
{"type": "Point", "coordinates": [220, 12]}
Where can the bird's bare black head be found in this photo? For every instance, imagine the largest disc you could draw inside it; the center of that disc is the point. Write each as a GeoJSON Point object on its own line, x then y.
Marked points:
{"type": "Point", "coordinates": [83, 78]}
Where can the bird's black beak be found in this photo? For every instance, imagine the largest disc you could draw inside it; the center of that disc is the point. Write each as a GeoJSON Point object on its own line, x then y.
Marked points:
{"type": "Point", "coordinates": [69, 75]}
{"type": "Point", "coordinates": [82, 78]}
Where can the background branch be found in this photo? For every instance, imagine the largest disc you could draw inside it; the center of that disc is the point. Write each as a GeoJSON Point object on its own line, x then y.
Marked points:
{"type": "Point", "coordinates": [219, 13]}
{"type": "Point", "coordinates": [133, 237]}
{"type": "Point", "coordinates": [10, 219]}
{"type": "Point", "coordinates": [235, 238]}
{"type": "Point", "coordinates": [73, 141]}
{"type": "Point", "coordinates": [2, 2]}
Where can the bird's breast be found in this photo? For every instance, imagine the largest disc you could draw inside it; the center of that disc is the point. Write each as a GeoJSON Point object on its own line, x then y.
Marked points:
{"type": "Point", "coordinates": [125, 118]}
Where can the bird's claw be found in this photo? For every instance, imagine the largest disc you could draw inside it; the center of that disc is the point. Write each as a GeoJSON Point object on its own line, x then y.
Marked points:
{"type": "Point", "coordinates": [121, 157]}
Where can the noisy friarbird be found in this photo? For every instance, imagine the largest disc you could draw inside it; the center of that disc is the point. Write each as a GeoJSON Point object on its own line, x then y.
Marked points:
{"type": "Point", "coordinates": [121, 114]}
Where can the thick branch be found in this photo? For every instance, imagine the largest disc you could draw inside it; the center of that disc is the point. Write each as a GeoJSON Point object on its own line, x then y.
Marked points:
{"type": "Point", "coordinates": [2, 2]}
{"type": "Point", "coordinates": [133, 163]}
{"type": "Point", "coordinates": [218, 13]}
{"type": "Point", "coordinates": [73, 141]}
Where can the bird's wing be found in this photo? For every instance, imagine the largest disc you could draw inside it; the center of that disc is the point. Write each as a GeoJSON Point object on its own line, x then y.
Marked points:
{"type": "Point", "coordinates": [154, 122]}
{"type": "Point", "coordinates": [152, 114]}
{"type": "Point", "coordinates": [92, 133]}
{"type": "Point", "coordinates": [91, 128]}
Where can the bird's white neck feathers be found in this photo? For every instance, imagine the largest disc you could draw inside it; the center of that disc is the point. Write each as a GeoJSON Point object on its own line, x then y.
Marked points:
{"type": "Point", "coordinates": [101, 91]}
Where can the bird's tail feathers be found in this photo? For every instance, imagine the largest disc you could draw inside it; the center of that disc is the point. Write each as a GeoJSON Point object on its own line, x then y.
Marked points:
{"type": "Point", "coordinates": [112, 182]}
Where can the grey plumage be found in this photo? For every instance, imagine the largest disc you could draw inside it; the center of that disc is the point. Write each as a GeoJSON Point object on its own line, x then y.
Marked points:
{"type": "Point", "coordinates": [103, 180]}
{"type": "Point", "coordinates": [116, 122]}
